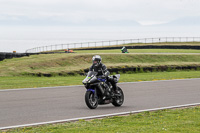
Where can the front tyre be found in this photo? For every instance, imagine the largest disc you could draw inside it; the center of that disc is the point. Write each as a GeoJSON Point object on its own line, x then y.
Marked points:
{"type": "Point", "coordinates": [90, 100]}
{"type": "Point", "coordinates": [119, 97]}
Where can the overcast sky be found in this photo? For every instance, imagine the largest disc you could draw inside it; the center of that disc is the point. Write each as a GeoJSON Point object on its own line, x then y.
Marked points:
{"type": "Point", "coordinates": [43, 21]}
{"type": "Point", "coordinates": [145, 12]}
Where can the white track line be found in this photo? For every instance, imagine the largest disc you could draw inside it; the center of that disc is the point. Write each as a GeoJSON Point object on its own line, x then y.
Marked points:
{"type": "Point", "coordinates": [98, 116]}
{"type": "Point", "coordinates": [20, 89]}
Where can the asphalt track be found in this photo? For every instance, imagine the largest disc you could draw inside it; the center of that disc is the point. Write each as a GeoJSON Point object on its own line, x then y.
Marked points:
{"type": "Point", "coordinates": [26, 106]}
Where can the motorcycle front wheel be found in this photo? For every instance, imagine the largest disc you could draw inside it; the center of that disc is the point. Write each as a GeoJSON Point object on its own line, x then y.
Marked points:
{"type": "Point", "coordinates": [90, 100]}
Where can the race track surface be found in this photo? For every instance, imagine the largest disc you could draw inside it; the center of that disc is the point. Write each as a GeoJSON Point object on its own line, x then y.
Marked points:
{"type": "Point", "coordinates": [26, 106]}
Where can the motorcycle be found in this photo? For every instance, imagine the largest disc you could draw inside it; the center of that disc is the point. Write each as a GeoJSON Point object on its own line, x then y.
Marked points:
{"type": "Point", "coordinates": [100, 90]}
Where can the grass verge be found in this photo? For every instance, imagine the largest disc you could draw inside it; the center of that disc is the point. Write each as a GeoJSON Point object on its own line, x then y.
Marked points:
{"type": "Point", "coordinates": [177, 120]}
{"type": "Point", "coordinates": [56, 64]}
{"type": "Point", "coordinates": [34, 82]}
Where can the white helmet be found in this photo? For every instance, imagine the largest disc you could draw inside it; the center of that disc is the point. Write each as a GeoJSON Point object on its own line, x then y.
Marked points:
{"type": "Point", "coordinates": [96, 60]}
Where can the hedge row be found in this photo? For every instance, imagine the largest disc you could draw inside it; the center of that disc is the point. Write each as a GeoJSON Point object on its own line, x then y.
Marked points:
{"type": "Point", "coordinates": [118, 70]}
{"type": "Point", "coordinates": [4, 55]}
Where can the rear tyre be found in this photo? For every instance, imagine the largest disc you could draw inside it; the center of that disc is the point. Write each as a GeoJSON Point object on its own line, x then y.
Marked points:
{"type": "Point", "coordinates": [90, 100]}
{"type": "Point", "coordinates": [119, 98]}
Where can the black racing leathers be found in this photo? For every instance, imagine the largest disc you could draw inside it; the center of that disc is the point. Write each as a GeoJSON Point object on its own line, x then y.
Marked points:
{"type": "Point", "coordinates": [103, 71]}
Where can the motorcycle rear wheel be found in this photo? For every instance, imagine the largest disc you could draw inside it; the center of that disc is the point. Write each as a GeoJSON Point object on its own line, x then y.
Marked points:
{"type": "Point", "coordinates": [118, 100]}
{"type": "Point", "coordinates": [90, 100]}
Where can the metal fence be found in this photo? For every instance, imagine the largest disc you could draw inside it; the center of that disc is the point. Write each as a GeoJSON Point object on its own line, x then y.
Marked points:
{"type": "Point", "coordinates": [112, 42]}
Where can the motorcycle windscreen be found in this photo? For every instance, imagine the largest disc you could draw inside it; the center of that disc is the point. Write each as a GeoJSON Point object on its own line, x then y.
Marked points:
{"type": "Point", "coordinates": [91, 74]}
{"type": "Point", "coordinates": [91, 77]}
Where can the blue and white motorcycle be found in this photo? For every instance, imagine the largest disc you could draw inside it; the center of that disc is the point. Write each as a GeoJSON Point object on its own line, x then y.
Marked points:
{"type": "Point", "coordinates": [100, 90]}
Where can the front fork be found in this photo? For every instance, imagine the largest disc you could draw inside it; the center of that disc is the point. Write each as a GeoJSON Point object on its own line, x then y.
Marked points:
{"type": "Point", "coordinates": [94, 91]}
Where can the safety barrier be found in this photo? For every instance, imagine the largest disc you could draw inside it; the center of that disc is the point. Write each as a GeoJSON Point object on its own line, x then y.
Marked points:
{"type": "Point", "coordinates": [112, 42]}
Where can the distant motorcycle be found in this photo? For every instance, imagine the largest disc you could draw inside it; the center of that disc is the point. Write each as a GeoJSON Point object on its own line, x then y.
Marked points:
{"type": "Point", "coordinates": [100, 91]}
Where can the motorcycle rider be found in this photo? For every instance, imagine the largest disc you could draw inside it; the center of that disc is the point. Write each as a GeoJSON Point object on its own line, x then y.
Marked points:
{"type": "Point", "coordinates": [101, 69]}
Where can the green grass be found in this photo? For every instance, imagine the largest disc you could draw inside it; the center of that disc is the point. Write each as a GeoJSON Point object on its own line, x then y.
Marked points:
{"type": "Point", "coordinates": [178, 120]}
{"type": "Point", "coordinates": [34, 82]}
{"type": "Point", "coordinates": [140, 51]}
{"type": "Point", "coordinates": [65, 63]}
